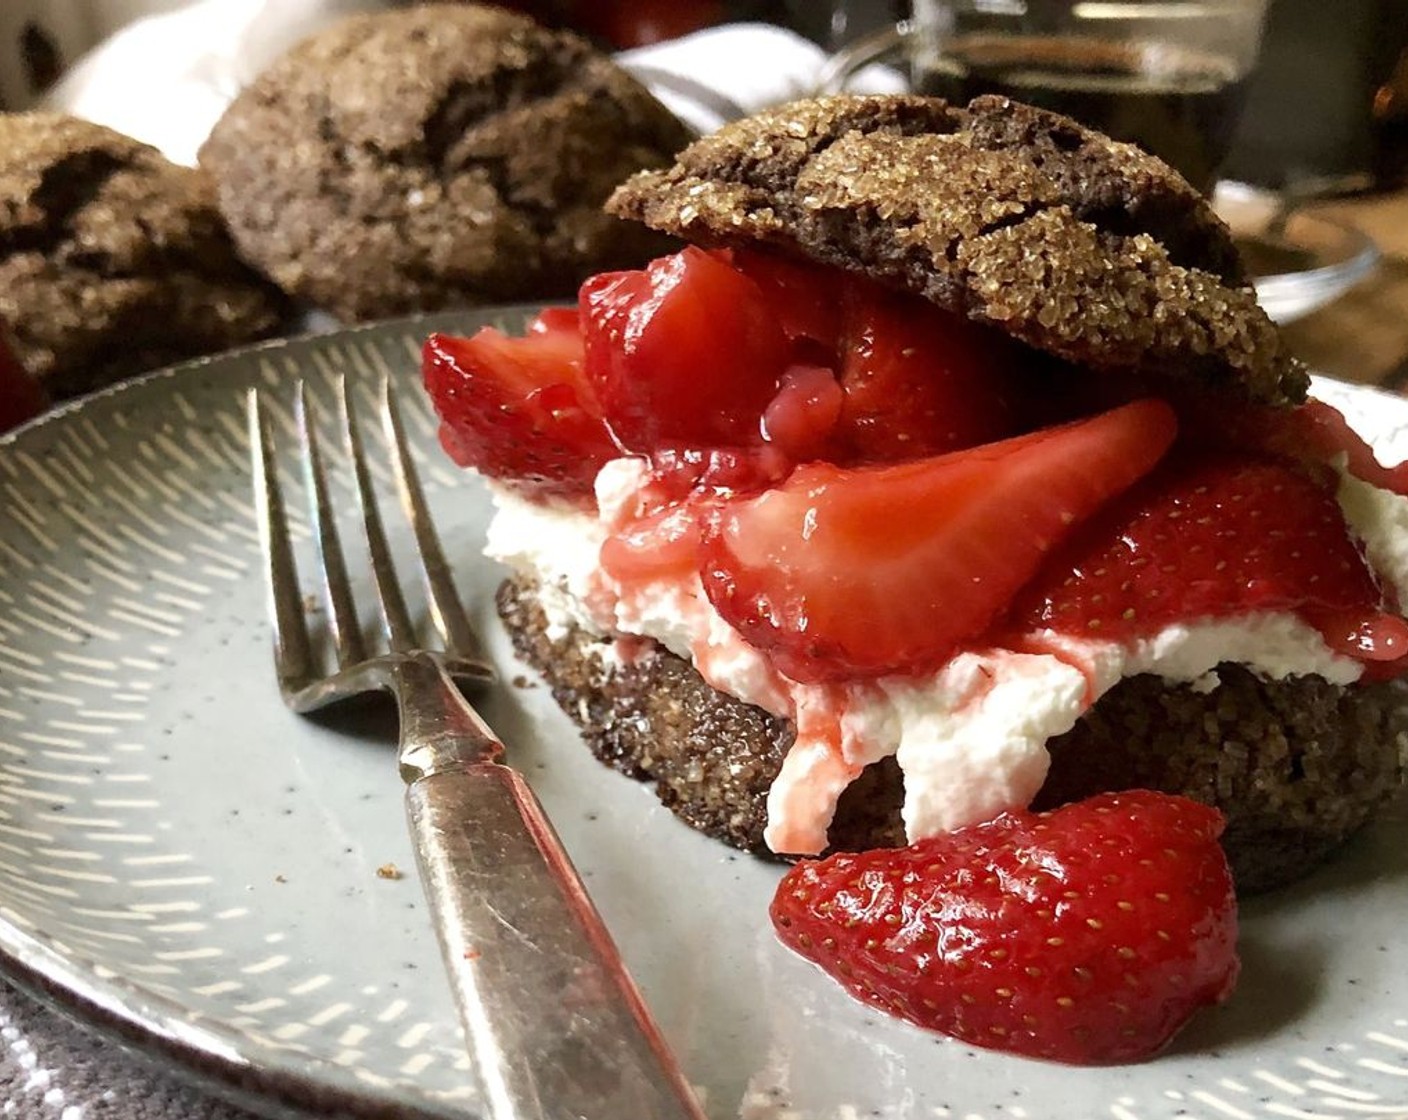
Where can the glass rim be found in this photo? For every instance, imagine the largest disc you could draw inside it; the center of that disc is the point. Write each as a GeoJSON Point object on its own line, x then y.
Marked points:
{"type": "Point", "coordinates": [843, 64]}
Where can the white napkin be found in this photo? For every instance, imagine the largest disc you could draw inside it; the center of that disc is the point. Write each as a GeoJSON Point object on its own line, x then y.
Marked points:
{"type": "Point", "coordinates": [726, 72]}
{"type": "Point", "coordinates": [167, 78]}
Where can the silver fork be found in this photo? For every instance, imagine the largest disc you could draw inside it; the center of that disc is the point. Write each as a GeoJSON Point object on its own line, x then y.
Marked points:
{"type": "Point", "coordinates": [555, 1026]}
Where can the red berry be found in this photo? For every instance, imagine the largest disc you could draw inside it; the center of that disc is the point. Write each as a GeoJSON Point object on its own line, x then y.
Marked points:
{"type": "Point", "coordinates": [656, 545]}
{"type": "Point", "coordinates": [21, 398]}
{"type": "Point", "coordinates": [677, 472]}
{"type": "Point", "coordinates": [853, 573]}
{"type": "Point", "coordinates": [1089, 934]}
{"type": "Point", "coordinates": [684, 353]}
{"type": "Point", "coordinates": [519, 409]}
{"type": "Point", "coordinates": [917, 380]}
{"type": "Point", "coordinates": [799, 421]}
{"type": "Point", "coordinates": [1318, 432]}
{"type": "Point", "coordinates": [806, 299]}
{"type": "Point", "coordinates": [1214, 537]}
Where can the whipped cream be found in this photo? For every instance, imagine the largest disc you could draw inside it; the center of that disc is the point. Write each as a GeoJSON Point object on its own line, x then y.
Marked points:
{"type": "Point", "coordinates": [1380, 520]}
{"type": "Point", "coordinates": [969, 738]}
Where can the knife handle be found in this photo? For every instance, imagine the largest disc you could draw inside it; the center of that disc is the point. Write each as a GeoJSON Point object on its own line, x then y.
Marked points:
{"type": "Point", "coordinates": [556, 1027]}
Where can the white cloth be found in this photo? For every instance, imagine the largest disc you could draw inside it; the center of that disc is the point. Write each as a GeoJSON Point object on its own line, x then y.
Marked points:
{"type": "Point", "coordinates": [167, 78]}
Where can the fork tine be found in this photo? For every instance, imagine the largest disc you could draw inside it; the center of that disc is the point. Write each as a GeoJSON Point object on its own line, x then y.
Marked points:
{"type": "Point", "coordinates": [446, 608]}
{"type": "Point", "coordinates": [293, 656]}
{"type": "Point", "coordinates": [400, 631]}
{"type": "Point", "coordinates": [337, 592]}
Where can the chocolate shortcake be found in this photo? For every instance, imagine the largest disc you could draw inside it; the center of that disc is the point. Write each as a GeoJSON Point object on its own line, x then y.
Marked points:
{"type": "Point", "coordinates": [952, 469]}
{"type": "Point", "coordinates": [436, 155]}
{"type": "Point", "coordinates": [113, 259]}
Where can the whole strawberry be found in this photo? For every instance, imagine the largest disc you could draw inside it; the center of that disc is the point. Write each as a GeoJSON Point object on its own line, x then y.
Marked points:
{"type": "Point", "coordinates": [1089, 934]}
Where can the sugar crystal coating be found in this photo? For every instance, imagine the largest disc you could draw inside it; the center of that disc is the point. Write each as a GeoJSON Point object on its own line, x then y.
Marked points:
{"type": "Point", "coordinates": [113, 259]}
{"type": "Point", "coordinates": [1084, 248]}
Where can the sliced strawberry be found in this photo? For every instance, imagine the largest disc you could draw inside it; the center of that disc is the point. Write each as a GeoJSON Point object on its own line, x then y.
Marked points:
{"type": "Point", "coordinates": [844, 573]}
{"type": "Point", "coordinates": [656, 545]}
{"type": "Point", "coordinates": [678, 472]}
{"type": "Point", "coordinates": [1318, 432]}
{"type": "Point", "coordinates": [659, 536]}
{"type": "Point", "coordinates": [1314, 433]}
{"type": "Point", "coordinates": [685, 352]}
{"type": "Point", "coordinates": [801, 419]}
{"type": "Point", "coordinates": [1213, 537]}
{"type": "Point", "coordinates": [519, 409]}
{"type": "Point", "coordinates": [21, 398]}
{"type": "Point", "coordinates": [917, 380]}
{"type": "Point", "coordinates": [1089, 934]}
{"type": "Point", "coordinates": [806, 298]}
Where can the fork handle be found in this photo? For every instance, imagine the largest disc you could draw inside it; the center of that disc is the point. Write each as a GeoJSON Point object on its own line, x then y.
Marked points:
{"type": "Point", "coordinates": [555, 1025]}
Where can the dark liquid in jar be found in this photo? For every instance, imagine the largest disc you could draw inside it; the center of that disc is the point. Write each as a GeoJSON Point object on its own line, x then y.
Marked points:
{"type": "Point", "coordinates": [1178, 104]}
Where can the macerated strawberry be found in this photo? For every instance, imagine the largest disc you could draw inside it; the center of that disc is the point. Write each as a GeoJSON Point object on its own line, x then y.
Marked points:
{"type": "Point", "coordinates": [853, 573]}
{"type": "Point", "coordinates": [683, 353]}
{"type": "Point", "coordinates": [800, 420]}
{"type": "Point", "coordinates": [656, 545]}
{"type": "Point", "coordinates": [806, 298]}
{"type": "Point", "coordinates": [519, 409]}
{"type": "Point", "coordinates": [1318, 432]}
{"type": "Point", "coordinates": [1089, 934]}
{"type": "Point", "coordinates": [677, 472]}
{"type": "Point", "coordinates": [917, 380]}
{"type": "Point", "coordinates": [1214, 536]}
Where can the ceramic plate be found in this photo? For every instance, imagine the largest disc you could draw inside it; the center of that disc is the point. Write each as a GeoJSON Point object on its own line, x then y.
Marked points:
{"type": "Point", "coordinates": [189, 866]}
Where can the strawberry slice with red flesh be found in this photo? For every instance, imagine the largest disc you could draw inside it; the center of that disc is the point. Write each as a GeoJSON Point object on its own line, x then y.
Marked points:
{"type": "Point", "coordinates": [806, 298]}
{"type": "Point", "coordinates": [856, 573]}
{"type": "Point", "coordinates": [917, 380]}
{"type": "Point", "coordinates": [800, 420]}
{"type": "Point", "coordinates": [656, 545]}
{"type": "Point", "coordinates": [519, 409]}
{"type": "Point", "coordinates": [677, 473]}
{"type": "Point", "coordinates": [1318, 432]}
{"type": "Point", "coordinates": [1089, 934]}
{"type": "Point", "coordinates": [684, 353]}
{"type": "Point", "coordinates": [1215, 537]}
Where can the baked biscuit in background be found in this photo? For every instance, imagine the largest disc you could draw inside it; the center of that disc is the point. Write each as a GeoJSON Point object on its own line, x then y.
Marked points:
{"type": "Point", "coordinates": [113, 260]}
{"type": "Point", "coordinates": [436, 156]}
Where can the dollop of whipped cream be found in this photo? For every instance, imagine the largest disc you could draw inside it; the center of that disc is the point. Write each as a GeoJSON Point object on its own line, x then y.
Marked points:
{"type": "Point", "coordinates": [969, 738]}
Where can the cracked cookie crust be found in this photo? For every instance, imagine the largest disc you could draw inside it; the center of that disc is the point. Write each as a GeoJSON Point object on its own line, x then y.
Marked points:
{"type": "Point", "coordinates": [113, 260]}
{"type": "Point", "coordinates": [1084, 248]}
{"type": "Point", "coordinates": [436, 156]}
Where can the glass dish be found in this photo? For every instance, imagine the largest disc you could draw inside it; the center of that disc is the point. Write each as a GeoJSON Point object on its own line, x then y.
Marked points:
{"type": "Point", "coordinates": [1299, 262]}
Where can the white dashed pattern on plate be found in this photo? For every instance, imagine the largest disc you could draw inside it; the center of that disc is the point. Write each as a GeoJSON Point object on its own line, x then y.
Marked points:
{"type": "Point", "coordinates": [189, 865]}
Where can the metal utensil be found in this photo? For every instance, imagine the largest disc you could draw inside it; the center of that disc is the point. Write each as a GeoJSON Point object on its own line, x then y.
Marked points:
{"type": "Point", "coordinates": [555, 1026]}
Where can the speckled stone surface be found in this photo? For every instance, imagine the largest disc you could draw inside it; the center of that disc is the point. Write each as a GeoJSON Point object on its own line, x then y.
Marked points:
{"type": "Point", "coordinates": [1087, 249]}
{"type": "Point", "coordinates": [113, 260]}
{"type": "Point", "coordinates": [436, 156]}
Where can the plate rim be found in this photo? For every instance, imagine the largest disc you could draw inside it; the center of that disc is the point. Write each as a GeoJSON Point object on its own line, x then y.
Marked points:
{"type": "Point", "coordinates": [65, 982]}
